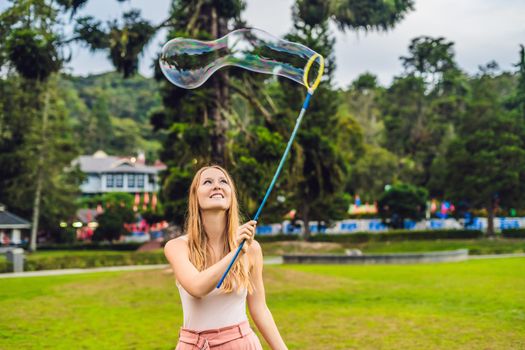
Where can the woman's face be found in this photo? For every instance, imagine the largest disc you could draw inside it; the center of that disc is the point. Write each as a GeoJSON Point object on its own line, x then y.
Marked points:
{"type": "Point", "coordinates": [214, 191]}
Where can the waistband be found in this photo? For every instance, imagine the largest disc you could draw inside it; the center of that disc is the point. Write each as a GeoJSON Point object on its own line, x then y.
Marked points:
{"type": "Point", "coordinates": [214, 337]}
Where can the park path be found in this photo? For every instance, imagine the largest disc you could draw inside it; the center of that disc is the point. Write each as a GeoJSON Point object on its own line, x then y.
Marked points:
{"type": "Point", "coordinates": [267, 261]}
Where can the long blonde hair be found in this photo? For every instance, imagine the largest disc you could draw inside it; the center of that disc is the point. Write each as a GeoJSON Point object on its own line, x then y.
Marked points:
{"type": "Point", "coordinates": [198, 243]}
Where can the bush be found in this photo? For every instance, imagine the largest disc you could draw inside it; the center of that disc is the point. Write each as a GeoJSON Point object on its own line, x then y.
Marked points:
{"type": "Point", "coordinates": [5, 266]}
{"type": "Point", "coordinates": [397, 235]}
{"type": "Point", "coordinates": [111, 223]}
{"type": "Point", "coordinates": [276, 238]}
{"type": "Point", "coordinates": [96, 260]}
{"type": "Point", "coordinates": [513, 233]}
{"type": "Point", "coordinates": [362, 216]}
{"type": "Point", "coordinates": [130, 246]}
{"type": "Point", "coordinates": [400, 202]}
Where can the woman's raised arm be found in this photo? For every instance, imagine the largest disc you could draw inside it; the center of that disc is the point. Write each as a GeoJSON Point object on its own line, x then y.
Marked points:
{"type": "Point", "coordinates": [196, 283]}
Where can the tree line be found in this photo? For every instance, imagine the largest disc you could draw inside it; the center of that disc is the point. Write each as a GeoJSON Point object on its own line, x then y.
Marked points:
{"type": "Point", "coordinates": [434, 131]}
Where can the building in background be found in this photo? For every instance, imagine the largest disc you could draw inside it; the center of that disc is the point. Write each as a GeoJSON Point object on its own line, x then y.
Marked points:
{"type": "Point", "coordinates": [11, 227]}
{"type": "Point", "coordinates": [111, 174]}
{"type": "Point", "coordinates": [106, 173]}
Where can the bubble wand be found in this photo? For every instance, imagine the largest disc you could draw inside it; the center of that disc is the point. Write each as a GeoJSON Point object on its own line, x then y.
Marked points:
{"type": "Point", "coordinates": [188, 63]}
{"type": "Point", "coordinates": [306, 102]}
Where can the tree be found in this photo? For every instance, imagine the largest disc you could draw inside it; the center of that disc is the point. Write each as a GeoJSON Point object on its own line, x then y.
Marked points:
{"type": "Point", "coordinates": [42, 147]}
{"type": "Point", "coordinates": [111, 223]}
{"type": "Point", "coordinates": [362, 102]}
{"type": "Point", "coordinates": [118, 106]}
{"type": "Point", "coordinates": [400, 202]}
{"type": "Point", "coordinates": [517, 101]}
{"type": "Point", "coordinates": [422, 106]}
{"type": "Point", "coordinates": [429, 58]}
{"type": "Point", "coordinates": [372, 171]}
{"type": "Point", "coordinates": [327, 154]}
{"type": "Point", "coordinates": [322, 169]}
{"type": "Point", "coordinates": [195, 121]}
{"type": "Point", "coordinates": [356, 14]}
{"type": "Point", "coordinates": [486, 162]}
{"type": "Point", "coordinates": [206, 20]}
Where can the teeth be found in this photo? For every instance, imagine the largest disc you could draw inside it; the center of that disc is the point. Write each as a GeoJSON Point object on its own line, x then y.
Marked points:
{"type": "Point", "coordinates": [217, 196]}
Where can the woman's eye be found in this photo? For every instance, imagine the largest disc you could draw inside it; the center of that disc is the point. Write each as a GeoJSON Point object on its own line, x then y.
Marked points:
{"type": "Point", "coordinates": [224, 182]}
{"type": "Point", "coordinates": [206, 182]}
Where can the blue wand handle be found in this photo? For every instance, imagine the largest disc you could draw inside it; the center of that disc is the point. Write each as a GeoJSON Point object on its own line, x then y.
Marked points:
{"type": "Point", "coordinates": [275, 176]}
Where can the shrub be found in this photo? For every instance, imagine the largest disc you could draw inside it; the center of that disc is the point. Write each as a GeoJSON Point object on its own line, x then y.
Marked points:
{"type": "Point", "coordinates": [400, 202]}
{"type": "Point", "coordinates": [513, 233]}
{"type": "Point", "coordinates": [276, 238]}
{"type": "Point", "coordinates": [5, 266]}
{"type": "Point", "coordinates": [130, 246]}
{"type": "Point", "coordinates": [397, 235]}
{"type": "Point", "coordinates": [96, 260]}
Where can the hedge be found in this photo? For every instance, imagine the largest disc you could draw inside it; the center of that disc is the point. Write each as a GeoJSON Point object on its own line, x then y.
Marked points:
{"type": "Point", "coordinates": [513, 233]}
{"type": "Point", "coordinates": [86, 261]}
{"type": "Point", "coordinates": [130, 246]}
{"type": "Point", "coordinates": [397, 235]}
{"type": "Point", "coordinates": [276, 238]}
{"type": "Point", "coordinates": [5, 266]}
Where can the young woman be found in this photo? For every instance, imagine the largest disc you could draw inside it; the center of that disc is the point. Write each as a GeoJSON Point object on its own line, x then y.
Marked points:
{"type": "Point", "coordinates": [216, 318]}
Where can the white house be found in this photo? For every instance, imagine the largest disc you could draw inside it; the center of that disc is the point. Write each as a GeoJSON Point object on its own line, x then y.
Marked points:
{"type": "Point", "coordinates": [116, 174]}
{"type": "Point", "coordinates": [11, 226]}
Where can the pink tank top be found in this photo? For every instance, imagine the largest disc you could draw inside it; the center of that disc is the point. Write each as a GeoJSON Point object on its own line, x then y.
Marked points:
{"type": "Point", "coordinates": [215, 310]}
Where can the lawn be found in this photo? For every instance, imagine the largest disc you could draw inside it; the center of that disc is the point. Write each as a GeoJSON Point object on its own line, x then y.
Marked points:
{"type": "Point", "coordinates": [475, 246]}
{"type": "Point", "coordinates": [60, 259]}
{"type": "Point", "coordinates": [476, 304]}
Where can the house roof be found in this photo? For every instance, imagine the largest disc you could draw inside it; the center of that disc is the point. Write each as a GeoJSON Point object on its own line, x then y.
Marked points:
{"type": "Point", "coordinates": [11, 221]}
{"type": "Point", "coordinates": [87, 215]}
{"type": "Point", "coordinates": [100, 162]}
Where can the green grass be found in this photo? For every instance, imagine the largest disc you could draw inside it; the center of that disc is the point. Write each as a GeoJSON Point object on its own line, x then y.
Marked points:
{"type": "Point", "coordinates": [475, 246]}
{"type": "Point", "coordinates": [469, 305]}
{"type": "Point", "coordinates": [56, 259]}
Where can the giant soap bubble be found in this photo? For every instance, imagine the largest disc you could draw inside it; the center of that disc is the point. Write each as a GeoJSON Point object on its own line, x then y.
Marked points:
{"type": "Point", "coordinates": [188, 63]}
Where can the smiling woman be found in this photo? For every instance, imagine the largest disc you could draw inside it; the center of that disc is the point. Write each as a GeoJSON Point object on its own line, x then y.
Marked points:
{"type": "Point", "coordinates": [216, 318]}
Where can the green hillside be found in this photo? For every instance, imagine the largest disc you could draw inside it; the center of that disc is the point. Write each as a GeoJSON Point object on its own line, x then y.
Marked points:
{"type": "Point", "coordinates": [112, 113]}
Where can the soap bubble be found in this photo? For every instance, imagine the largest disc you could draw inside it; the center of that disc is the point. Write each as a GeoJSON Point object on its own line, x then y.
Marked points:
{"type": "Point", "coordinates": [188, 63]}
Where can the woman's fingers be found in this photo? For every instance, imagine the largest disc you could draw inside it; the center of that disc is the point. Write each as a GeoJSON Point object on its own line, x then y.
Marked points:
{"type": "Point", "coordinates": [249, 232]}
{"type": "Point", "coordinates": [246, 232]}
{"type": "Point", "coordinates": [248, 241]}
{"type": "Point", "coordinates": [243, 236]}
{"type": "Point", "coordinates": [251, 223]}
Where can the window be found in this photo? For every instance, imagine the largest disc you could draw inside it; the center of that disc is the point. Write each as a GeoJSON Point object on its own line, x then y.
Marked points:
{"type": "Point", "coordinates": [119, 180]}
{"type": "Point", "coordinates": [140, 181]}
{"type": "Point", "coordinates": [131, 180]}
{"type": "Point", "coordinates": [109, 181]}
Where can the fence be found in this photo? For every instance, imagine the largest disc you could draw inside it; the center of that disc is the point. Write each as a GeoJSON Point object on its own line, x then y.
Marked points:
{"type": "Point", "coordinates": [375, 225]}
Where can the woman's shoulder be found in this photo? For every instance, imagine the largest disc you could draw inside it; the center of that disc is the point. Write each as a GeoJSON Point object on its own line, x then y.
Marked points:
{"type": "Point", "coordinates": [255, 251]}
{"type": "Point", "coordinates": [255, 247]}
{"type": "Point", "coordinates": [176, 243]}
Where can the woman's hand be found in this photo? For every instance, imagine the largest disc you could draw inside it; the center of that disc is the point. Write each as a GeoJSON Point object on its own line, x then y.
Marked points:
{"type": "Point", "coordinates": [246, 232]}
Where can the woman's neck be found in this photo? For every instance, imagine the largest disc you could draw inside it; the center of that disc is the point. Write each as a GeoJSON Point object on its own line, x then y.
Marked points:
{"type": "Point", "coordinates": [214, 223]}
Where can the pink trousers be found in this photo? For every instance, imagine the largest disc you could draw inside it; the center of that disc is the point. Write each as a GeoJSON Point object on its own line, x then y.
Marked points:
{"type": "Point", "coordinates": [236, 337]}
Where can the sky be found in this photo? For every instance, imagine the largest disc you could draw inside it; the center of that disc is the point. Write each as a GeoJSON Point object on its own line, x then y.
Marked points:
{"type": "Point", "coordinates": [482, 30]}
